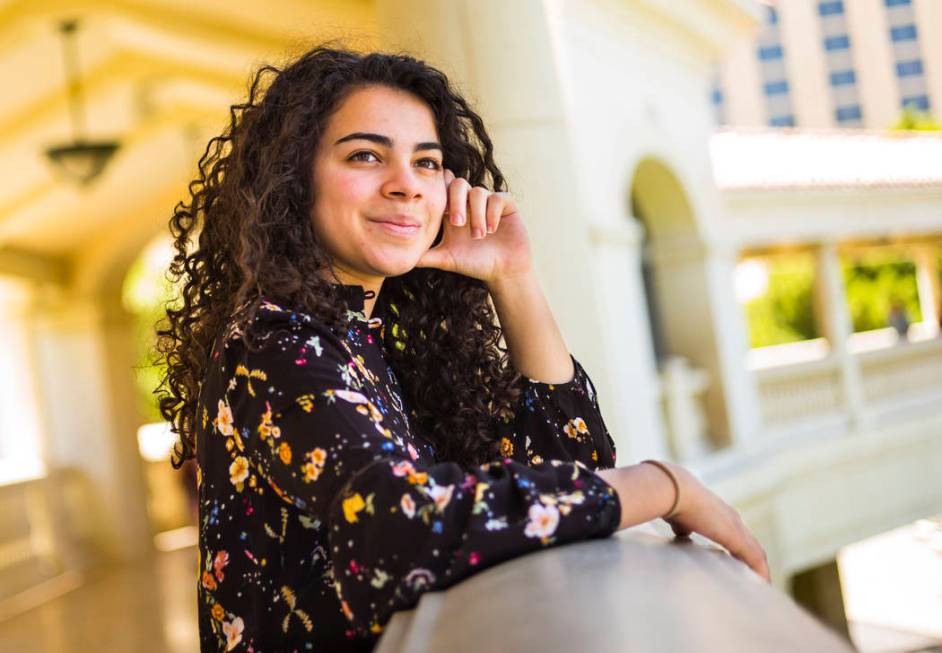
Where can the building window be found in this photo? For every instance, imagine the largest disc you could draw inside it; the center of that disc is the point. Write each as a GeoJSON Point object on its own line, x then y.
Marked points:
{"type": "Point", "coordinates": [903, 33]}
{"type": "Point", "coordinates": [908, 68]}
{"type": "Point", "coordinates": [770, 52]}
{"type": "Point", "coordinates": [897, 3]}
{"type": "Point", "coordinates": [841, 42]}
{"type": "Point", "coordinates": [843, 77]}
{"type": "Point", "coordinates": [776, 88]}
{"type": "Point", "coordinates": [918, 102]}
{"type": "Point", "coordinates": [844, 114]}
{"type": "Point", "coordinates": [831, 8]}
{"type": "Point", "coordinates": [782, 121]}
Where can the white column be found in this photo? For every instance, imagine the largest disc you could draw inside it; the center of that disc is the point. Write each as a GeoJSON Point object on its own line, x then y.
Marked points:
{"type": "Point", "coordinates": [927, 280]}
{"type": "Point", "coordinates": [732, 342]}
{"type": "Point", "coordinates": [21, 432]}
{"type": "Point", "coordinates": [632, 406]}
{"type": "Point", "coordinates": [833, 310]}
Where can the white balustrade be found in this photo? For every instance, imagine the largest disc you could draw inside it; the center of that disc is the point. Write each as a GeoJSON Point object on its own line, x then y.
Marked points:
{"type": "Point", "coordinates": [682, 388]}
{"type": "Point", "coordinates": [902, 373]}
{"type": "Point", "coordinates": [800, 391]}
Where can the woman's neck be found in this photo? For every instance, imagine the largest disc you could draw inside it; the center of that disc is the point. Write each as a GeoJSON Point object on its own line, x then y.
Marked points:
{"type": "Point", "coordinates": [374, 284]}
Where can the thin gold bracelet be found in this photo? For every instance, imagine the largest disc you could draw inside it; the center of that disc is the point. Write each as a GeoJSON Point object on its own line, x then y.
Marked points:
{"type": "Point", "coordinates": [673, 511]}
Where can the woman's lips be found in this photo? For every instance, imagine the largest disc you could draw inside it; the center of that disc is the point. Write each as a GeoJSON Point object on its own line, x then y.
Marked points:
{"type": "Point", "coordinates": [397, 228]}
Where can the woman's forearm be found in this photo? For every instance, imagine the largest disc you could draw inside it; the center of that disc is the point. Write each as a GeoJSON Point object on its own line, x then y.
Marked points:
{"type": "Point", "coordinates": [536, 346]}
{"type": "Point", "coordinates": [644, 491]}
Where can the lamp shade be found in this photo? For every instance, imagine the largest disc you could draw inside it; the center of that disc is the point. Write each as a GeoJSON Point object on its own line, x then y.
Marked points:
{"type": "Point", "coordinates": [81, 161]}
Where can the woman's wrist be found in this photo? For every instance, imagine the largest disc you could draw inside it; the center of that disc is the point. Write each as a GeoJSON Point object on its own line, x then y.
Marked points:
{"type": "Point", "coordinates": [511, 286]}
{"type": "Point", "coordinates": [646, 492]}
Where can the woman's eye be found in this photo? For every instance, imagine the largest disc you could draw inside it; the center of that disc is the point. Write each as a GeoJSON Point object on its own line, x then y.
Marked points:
{"type": "Point", "coordinates": [434, 164]}
{"type": "Point", "coordinates": [356, 156]}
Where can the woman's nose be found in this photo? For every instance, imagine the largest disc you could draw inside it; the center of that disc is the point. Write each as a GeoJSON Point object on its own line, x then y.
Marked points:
{"type": "Point", "coordinates": [402, 181]}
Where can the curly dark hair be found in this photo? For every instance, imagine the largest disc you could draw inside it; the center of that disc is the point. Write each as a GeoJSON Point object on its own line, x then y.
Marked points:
{"type": "Point", "coordinates": [250, 211]}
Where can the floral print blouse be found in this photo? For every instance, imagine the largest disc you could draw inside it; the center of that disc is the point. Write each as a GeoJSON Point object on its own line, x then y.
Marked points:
{"type": "Point", "coordinates": [321, 512]}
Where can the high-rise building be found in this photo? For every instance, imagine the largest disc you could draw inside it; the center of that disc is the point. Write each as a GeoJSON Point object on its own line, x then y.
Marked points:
{"type": "Point", "coordinates": [834, 63]}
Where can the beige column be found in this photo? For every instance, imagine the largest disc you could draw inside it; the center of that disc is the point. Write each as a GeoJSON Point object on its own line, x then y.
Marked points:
{"type": "Point", "coordinates": [833, 312]}
{"type": "Point", "coordinates": [927, 280]}
{"type": "Point", "coordinates": [731, 335]}
{"type": "Point", "coordinates": [86, 371]}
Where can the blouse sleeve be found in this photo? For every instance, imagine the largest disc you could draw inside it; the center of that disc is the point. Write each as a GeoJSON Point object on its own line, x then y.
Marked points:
{"type": "Point", "coordinates": [397, 528]}
{"type": "Point", "coordinates": [559, 422]}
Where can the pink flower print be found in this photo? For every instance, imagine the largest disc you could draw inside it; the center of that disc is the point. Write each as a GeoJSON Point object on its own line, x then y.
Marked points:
{"type": "Point", "coordinates": [403, 468]}
{"type": "Point", "coordinates": [233, 632]}
{"type": "Point", "coordinates": [219, 563]}
{"type": "Point", "coordinates": [412, 452]}
{"type": "Point", "coordinates": [474, 558]}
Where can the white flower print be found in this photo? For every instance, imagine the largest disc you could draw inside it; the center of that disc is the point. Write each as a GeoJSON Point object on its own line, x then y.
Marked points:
{"type": "Point", "coordinates": [543, 521]}
{"type": "Point", "coordinates": [223, 419]}
{"type": "Point", "coordinates": [233, 631]}
{"type": "Point", "coordinates": [408, 506]}
{"type": "Point", "coordinates": [441, 495]}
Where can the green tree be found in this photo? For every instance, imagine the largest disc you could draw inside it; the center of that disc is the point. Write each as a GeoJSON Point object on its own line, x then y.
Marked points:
{"type": "Point", "coordinates": [785, 313]}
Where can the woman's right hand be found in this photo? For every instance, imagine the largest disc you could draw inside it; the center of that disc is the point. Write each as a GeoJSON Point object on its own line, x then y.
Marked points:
{"type": "Point", "coordinates": [644, 488]}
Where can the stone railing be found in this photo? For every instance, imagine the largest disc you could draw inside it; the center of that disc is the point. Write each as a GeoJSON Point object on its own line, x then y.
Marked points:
{"type": "Point", "coordinates": [801, 391]}
{"type": "Point", "coordinates": [629, 592]}
{"type": "Point", "coordinates": [904, 371]}
{"type": "Point", "coordinates": [40, 551]}
{"type": "Point", "coordinates": [893, 376]}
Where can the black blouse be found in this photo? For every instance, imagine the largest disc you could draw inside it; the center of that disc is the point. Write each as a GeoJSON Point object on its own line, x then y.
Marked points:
{"type": "Point", "coordinates": [321, 512]}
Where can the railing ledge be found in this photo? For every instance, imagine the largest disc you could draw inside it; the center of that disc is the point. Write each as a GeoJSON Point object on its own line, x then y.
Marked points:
{"type": "Point", "coordinates": [629, 592]}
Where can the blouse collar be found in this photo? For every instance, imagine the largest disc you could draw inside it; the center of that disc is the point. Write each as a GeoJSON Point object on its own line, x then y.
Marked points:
{"type": "Point", "coordinates": [356, 297]}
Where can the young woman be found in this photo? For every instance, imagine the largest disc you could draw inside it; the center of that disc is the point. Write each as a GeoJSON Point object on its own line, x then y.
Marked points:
{"type": "Point", "coordinates": [335, 366]}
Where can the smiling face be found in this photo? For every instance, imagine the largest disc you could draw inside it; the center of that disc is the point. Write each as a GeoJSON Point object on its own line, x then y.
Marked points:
{"type": "Point", "coordinates": [379, 189]}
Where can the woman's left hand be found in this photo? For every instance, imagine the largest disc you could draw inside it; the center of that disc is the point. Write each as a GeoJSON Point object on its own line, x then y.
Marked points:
{"type": "Point", "coordinates": [484, 236]}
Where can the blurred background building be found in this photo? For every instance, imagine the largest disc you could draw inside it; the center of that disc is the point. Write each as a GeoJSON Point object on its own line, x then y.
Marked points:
{"type": "Point", "coordinates": [746, 196]}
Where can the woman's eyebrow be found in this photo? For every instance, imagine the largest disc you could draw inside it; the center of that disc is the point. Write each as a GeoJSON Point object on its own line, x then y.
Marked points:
{"type": "Point", "coordinates": [385, 141]}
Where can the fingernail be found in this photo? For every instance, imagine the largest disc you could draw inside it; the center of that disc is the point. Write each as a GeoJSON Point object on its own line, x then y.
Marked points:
{"type": "Point", "coordinates": [459, 219]}
{"type": "Point", "coordinates": [490, 228]}
{"type": "Point", "coordinates": [477, 233]}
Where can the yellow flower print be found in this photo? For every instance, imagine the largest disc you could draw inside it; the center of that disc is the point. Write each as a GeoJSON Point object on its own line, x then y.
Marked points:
{"type": "Point", "coordinates": [284, 452]}
{"type": "Point", "coordinates": [223, 421]}
{"type": "Point", "coordinates": [417, 478]}
{"type": "Point", "coordinates": [315, 465]}
{"type": "Point", "coordinates": [218, 612]}
{"type": "Point", "coordinates": [306, 402]}
{"type": "Point", "coordinates": [264, 428]}
{"type": "Point", "coordinates": [352, 506]}
{"type": "Point", "coordinates": [311, 472]}
{"type": "Point", "coordinates": [595, 455]}
{"type": "Point", "coordinates": [479, 491]}
{"type": "Point", "coordinates": [536, 460]}
{"type": "Point", "coordinates": [576, 428]}
{"type": "Point", "coordinates": [239, 471]}
{"type": "Point", "coordinates": [506, 447]}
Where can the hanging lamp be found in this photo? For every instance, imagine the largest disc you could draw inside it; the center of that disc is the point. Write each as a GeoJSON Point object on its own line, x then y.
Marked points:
{"type": "Point", "coordinates": [82, 160]}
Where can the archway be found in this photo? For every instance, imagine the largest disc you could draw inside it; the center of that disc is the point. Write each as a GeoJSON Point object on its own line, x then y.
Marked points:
{"type": "Point", "coordinates": [680, 316]}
